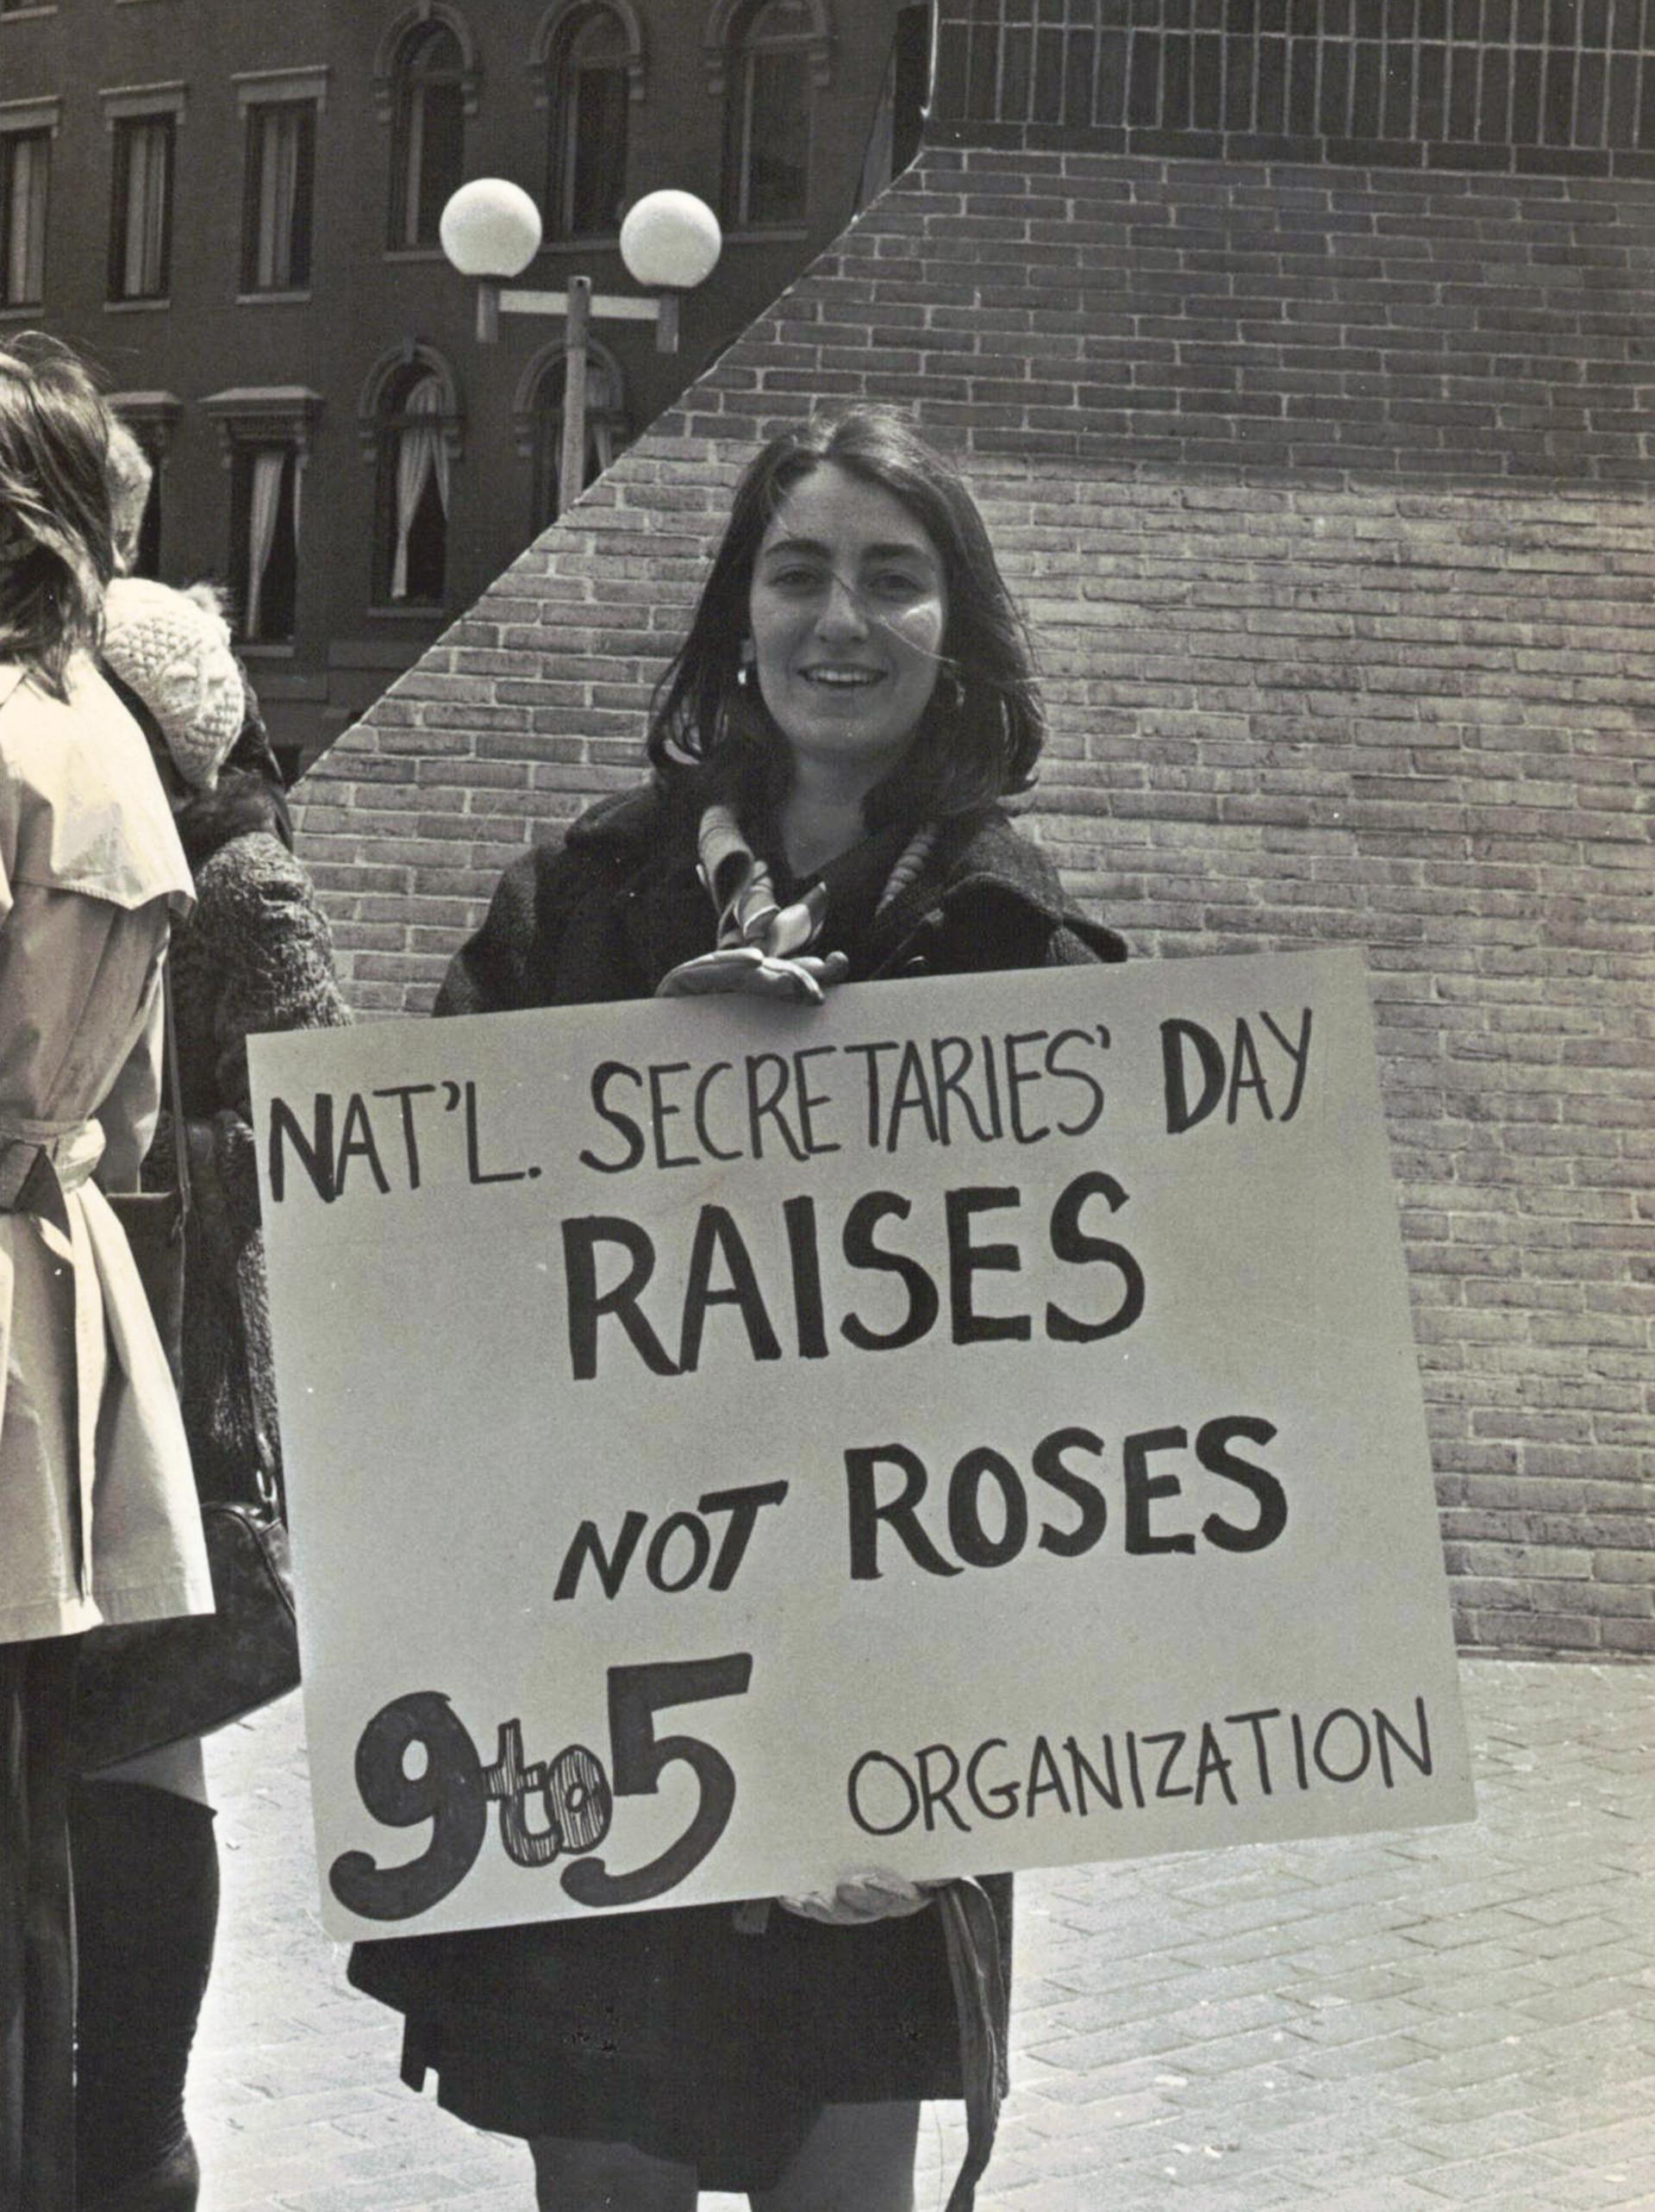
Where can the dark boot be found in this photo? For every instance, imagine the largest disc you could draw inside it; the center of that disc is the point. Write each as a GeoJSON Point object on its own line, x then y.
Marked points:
{"type": "Point", "coordinates": [146, 1905]}
{"type": "Point", "coordinates": [37, 1970]}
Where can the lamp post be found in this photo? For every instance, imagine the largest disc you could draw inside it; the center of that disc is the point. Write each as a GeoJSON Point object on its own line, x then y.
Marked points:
{"type": "Point", "coordinates": [669, 242]}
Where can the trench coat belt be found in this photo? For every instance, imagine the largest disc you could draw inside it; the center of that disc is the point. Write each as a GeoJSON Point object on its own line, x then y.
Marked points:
{"type": "Point", "coordinates": [41, 1162]}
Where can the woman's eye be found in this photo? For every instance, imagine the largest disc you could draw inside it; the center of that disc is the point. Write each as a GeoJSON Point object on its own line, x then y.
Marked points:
{"type": "Point", "coordinates": [897, 583]}
{"type": "Point", "coordinates": [793, 578]}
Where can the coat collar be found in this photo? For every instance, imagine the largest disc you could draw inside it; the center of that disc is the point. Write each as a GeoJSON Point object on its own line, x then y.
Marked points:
{"type": "Point", "coordinates": [667, 916]}
{"type": "Point", "coordinates": [983, 859]}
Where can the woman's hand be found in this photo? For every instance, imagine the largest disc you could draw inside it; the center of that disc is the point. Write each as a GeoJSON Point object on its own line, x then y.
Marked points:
{"type": "Point", "coordinates": [869, 1895]}
{"type": "Point", "coordinates": [764, 975]}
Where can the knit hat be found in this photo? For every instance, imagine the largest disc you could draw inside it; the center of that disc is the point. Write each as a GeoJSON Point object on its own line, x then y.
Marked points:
{"type": "Point", "coordinates": [173, 649]}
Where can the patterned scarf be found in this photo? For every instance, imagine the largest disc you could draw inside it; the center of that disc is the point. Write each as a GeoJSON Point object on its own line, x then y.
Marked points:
{"type": "Point", "coordinates": [764, 946]}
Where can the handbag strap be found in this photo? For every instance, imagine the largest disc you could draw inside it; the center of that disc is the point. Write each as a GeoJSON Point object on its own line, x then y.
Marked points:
{"type": "Point", "coordinates": [977, 1972]}
{"type": "Point", "coordinates": [175, 1093]}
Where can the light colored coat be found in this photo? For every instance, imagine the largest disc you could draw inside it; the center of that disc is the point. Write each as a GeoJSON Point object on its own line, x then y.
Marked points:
{"type": "Point", "coordinates": [98, 1515]}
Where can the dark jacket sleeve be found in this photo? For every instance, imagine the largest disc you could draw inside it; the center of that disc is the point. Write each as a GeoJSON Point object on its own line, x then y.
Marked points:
{"type": "Point", "coordinates": [490, 974]}
{"type": "Point", "coordinates": [512, 961]}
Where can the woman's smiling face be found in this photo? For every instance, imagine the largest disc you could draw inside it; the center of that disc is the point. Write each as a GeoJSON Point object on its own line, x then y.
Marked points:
{"type": "Point", "coordinates": [847, 609]}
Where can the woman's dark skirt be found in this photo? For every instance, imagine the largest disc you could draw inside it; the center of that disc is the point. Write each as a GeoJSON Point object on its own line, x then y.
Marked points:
{"type": "Point", "coordinates": [676, 2032]}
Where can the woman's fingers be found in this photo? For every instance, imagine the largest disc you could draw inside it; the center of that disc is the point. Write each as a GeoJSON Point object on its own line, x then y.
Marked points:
{"type": "Point", "coordinates": [745, 968]}
{"type": "Point", "coordinates": [863, 1897]}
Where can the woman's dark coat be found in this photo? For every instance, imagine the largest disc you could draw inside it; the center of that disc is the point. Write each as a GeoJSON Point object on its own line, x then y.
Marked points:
{"type": "Point", "coordinates": [647, 2027]}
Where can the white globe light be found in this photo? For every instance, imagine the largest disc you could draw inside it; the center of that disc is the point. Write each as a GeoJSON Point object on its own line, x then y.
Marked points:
{"type": "Point", "coordinates": [490, 229]}
{"type": "Point", "coordinates": [671, 240]}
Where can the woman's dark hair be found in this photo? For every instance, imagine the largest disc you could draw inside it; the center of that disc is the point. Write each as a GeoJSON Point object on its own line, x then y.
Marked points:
{"type": "Point", "coordinates": [981, 734]}
{"type": "Point", "coordinates": [56, 549]}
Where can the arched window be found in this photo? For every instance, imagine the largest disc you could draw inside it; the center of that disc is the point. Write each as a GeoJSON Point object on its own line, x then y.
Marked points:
{"type": "Point", "coordinates": [767, 113]}
{"type": "Point", "coordinates": [427, 145]}
{"type": "Point", "coordinates": [540, 416]}
{"type": "Point", "coordinates": [412, 422]}
{"type": "Point", "coordinates": [586, 185]}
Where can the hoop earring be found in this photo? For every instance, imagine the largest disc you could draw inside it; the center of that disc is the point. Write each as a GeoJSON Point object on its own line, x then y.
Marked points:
{"type": "Point", "coordinates": [953, 698]}
{"type": "Point", "coordinates": [744, 676]}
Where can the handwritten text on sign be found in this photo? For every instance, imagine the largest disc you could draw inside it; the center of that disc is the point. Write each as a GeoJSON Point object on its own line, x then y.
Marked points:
{"type": "Point", "coordinates": [989, 1401]}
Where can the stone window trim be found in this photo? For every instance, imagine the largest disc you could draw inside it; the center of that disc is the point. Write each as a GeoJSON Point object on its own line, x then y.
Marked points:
{"type": "Point", "coordinates": [526, 398]}
{"type": "Point", "coordinates": [134, 103]}
{"type": "Point", "coordinates": [722, 25]}
{"type": "Point", "coordinates": [264, 415]}
{"type": "Point", "coordinates": [388, 57]}
{"type": "Point", "coordinates": [45, 114]}
{"type": "Point", "coordinates": [371, 403]}
{"type": "Point", "coordinates": [152, 417]}
{"type": "Point", "coordinates": [565, 16]}
{"type": "Point", "coordinates": [263, 88]}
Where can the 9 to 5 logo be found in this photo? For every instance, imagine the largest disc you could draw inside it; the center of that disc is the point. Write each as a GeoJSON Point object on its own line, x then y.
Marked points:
{"type": "Point", "coordinates": [575, 1797]}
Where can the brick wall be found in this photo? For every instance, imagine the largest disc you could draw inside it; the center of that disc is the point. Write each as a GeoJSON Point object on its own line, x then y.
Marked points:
{"type": "Point", "coordinates": [1326, 492]}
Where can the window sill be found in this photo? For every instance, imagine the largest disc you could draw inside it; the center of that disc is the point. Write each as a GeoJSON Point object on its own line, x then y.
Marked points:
{"type": "Point", "coordinates": [27, 15]}
{"type": "Point", "coordinates": [433, 614]}
{"type": "Point", "coordinates": [136, 306]}
{"type": "Point", "coordinates": [273, 299]}
{"type": "Point", "coordinates": [781, 234]}
{"type": "Point", "coordinates": [22, 311]}
{"type": "Point", "coordinates": [265, 648]}
{"type": "Point", "coordinates": [414, 253]}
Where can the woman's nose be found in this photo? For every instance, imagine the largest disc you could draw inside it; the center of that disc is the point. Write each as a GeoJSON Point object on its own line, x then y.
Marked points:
{"type": "Point", "coordinates": [841, 612]}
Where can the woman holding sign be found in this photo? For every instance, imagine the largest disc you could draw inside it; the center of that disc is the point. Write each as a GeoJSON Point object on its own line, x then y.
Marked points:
{"type": "Point", "coordinates": [830, 748]}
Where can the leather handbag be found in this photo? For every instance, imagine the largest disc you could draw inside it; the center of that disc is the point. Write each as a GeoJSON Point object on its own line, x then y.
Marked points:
{"type": "Point", "coordinates": [153, 1684]}
{"type": "Point", "coordinates": [142, 1686]}
{"type": "Point", "coordinates": [154, 1222]}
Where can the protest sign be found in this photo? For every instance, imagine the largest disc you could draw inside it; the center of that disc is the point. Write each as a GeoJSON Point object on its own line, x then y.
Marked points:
{"type": "Point", "coordinates": [973, 1424]}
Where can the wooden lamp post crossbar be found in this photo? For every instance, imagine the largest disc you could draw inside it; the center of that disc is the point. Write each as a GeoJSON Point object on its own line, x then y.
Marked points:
{"type": "Point", "coordinates": [669, 242]}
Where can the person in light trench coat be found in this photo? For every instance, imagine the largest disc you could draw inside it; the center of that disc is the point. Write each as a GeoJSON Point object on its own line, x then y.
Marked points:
{"type": "Point", "coordinates": [98, 1518]}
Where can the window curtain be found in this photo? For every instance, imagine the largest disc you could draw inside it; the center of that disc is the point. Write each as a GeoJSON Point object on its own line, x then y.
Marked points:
{"type": "Point", "coordinates": [775, 137]}
{"type": "Point", "coordinates": [603, 414]}
{"type": "Point", "coordinates": [413, 165]}
{"type": "Point", "coordinates": [264, 500]}
{"type": "Point", "coordinates": [419, 454]}
{"type": "Point", "coordinates": [143, 272]}
{"type": "Point", "coordinates": [26, 157]}
{"type": "Point", "coordinates": [278, 192]}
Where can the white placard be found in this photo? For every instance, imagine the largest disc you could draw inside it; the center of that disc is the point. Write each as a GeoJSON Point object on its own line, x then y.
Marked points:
{"type": "Point", "coordinates": [974, 1424]}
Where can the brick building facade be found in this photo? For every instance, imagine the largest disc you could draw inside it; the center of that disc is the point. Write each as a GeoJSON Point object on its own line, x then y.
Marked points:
{"type": "Point", "coordinates": [232, 210]}
{"type": "Point", "coordinates": [1311, 422]}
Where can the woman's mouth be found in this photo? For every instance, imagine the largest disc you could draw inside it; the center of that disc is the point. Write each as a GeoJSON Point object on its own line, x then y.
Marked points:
{"type": "Point", "coordinates": [842, 679]}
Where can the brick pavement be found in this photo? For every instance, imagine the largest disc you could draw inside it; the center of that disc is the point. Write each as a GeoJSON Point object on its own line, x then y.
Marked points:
{"type": "Point", "coordinates": [1406, 2022]}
